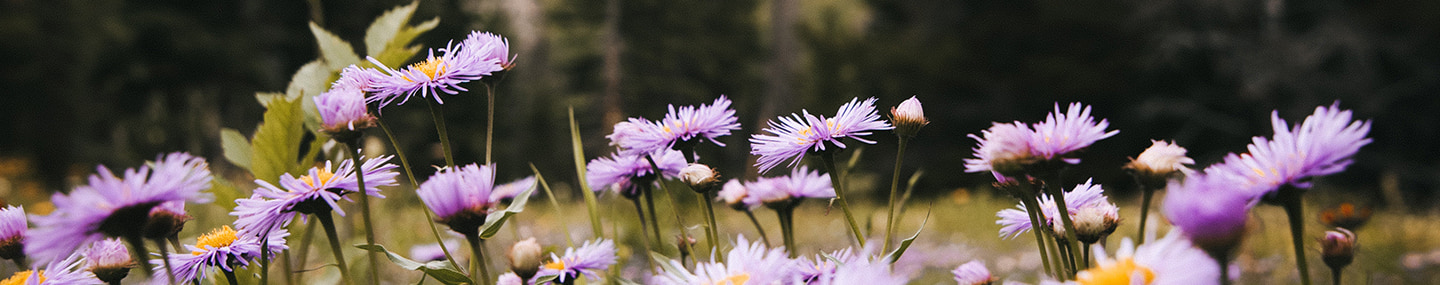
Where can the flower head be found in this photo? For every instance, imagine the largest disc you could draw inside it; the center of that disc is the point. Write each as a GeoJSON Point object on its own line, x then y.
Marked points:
{"type": "Point", "coordinates": [1322, 145]}
{"type": "Point", "coordinates": [116, 207]}
{"type": "Point", "coordinates": [224, 248]}
{"type": "Point", "coordinates": [786, 191]}
{"type": "Point", "coordinates": [461, 196]}
{"type": "Point", "coordinates": [65, 271]}
{"type": "Point", "coordinates": [623, 173]}
{"type": "Point", "coordinates": [792, 137]}
{"type": "Point", "coordinates": [1063, 133]}
{"type": "Point", "coordinates": [1084, 196]}
{"type": "Point", "coordinates": [1170, 260]}
{"type": "Point", "coordinates": [166, 220]}
{"type": "Point", "coordinates": [109, 260]}
{"type": "Point", "coordinates": [973, 273]}
{"type": "Point", "coordinates": [319, 190]}
{"type": "Point", "coordinates": [12, 232]}
{"type": "Point", "coordinates": [1210, 210]}
{"type": "Point", "coordinates": [593, 256]}
{"type": "Point", "coordinates": [525, 258]}
{"type": "Point", "coordinates": [908, 118]}
{"type": "Point", "coordinates": [1160, 162]}
{"type": "Point", "coordinates": [489, 49]}
{"type": "Point", "coordinates": [747, 263]}
{"type": "Point", "coordinates": [683, 125]}
{"type": "Point", "coordinates": [342, 109]}
{"type": "Point", "coordinates": [733, 194]}
{"type": "Point", "coordinates": [1003, 149]}
{"type": "Point", "coordinates": [509, 278]}
{"type": "Point", "coordinates": [456, 64]}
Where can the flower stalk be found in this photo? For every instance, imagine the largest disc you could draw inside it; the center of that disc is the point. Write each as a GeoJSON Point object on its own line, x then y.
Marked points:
{"type": "Point", "coordinates": [409, 173]}
{"type": "Point", "coordinates": [838, 183]}
{"type": "Point", "coordinates": [352, 147]}
{"type": "Point", "coordinates": [328, 223]}
{"type": "Point", "coordinates": [894, 186]}
{"type": "Point", "coordinates": [1291, 199]}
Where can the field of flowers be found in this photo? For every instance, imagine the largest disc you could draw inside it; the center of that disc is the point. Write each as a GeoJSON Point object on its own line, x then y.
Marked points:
{"type": "Point", "coordinates": [346, 207]}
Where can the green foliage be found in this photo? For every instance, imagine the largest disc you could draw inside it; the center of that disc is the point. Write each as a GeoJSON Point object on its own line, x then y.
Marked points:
{"type": "Point", "coordinates": [276, 143]}
{"type": "Point", "coordinates": [495, 220]}
{"type": "Point", "coordinates": [904, 245]}
{"type": "Point", "coordinates": [439, 270]}
{"type": "Point", "coordinates": [236, 146]}
{"type": "Point", "coordinates": [388, 38]}
{"type": "Point", "coordinates": [225, 192]}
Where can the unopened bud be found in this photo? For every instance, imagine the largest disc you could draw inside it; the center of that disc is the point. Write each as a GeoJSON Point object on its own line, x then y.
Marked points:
{"type": "Point", "coordinates": [1095, 222]}
{"type": "Point", "coordinates": [701, 178]}
{"type": "Point", "coordinates": [1160, 162]}
{"type": "Point", "coordinates": [166, 220]}
{"type": "Point", "coordinates": [908, 118]}
{"type": "Point", "coordinates": [525, 258]}
{"type": "Point", "coordinates": [1337, 248]}
{"type": "Point", "coordinates": [109, 260]}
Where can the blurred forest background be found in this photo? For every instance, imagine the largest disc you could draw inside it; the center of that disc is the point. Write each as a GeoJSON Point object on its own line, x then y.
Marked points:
{"type": "Point", "coordinates": [89, 82]}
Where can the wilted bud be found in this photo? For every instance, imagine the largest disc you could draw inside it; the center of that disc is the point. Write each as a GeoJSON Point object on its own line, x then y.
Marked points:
{"type": "Point", "coordinates": [525, 258]}
{"type": "Point", "coordinates": [109, 260]}
{"type": "Point", "coordinates": [1337, 248]}
{"type": "Point", "coordinates": [973, 273]}
{"type": "Point", "coordinates": [701, 178]}
{"type": "Point", "coordinates": [908, 118]}
{"type": "Point", "coordinates": [1095, 222]}
{"type": "Point", "coordinates": [1160, 162]}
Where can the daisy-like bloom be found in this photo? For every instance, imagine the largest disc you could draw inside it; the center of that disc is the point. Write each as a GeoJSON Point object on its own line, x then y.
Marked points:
{"type": "Point", "coordinates": [342, 108]}
{"type": "Point", "coordinates": [792, 137]}
{"type": "Point", "coordinates": [489, 49]}
{"type": "Point", "coordinates": [592, 257]}
{"type": "Point", "coordinates": [166, 220]}
{"type": "Point", "coordinates": [747, 263]}
{"type": "Point", "coordinates": [1321, 145]}
{"type": "Point", "coordinates": [432, 251]}
{"type": "Point", "coordinates": [504, 193]}
{"type": "Point", "coordinates": [445, 72]}
{"type": "Point", "coordinates": [12, 233]}
{"type": "Point", "coordinates": [682, 125]}
{"type": "Point", "coordinates": [1170, 260]}
{"type": "Point", "coordinates": [1063, 133]}
{"type": "Point", "coordinates": [1210, 210]}
{"type": "Point", "coordinates": [733, 194]}
{"type": "Point", "coordinates": [65, 271]}
{"type": "Point", "coordinates": [109, 260]}
{"type": "Point", "coordinates": [908, 118]}
{"type": "Point", "coordinates": [787, 191]}
{"type": "Point", "coordinates": [225, 248]}
{"type": "Point", "coordinates": [973, 273]}
{"type": "Point", "coordinates": [623, 173]}
{"type": "Point", "coordinates": [823, 267]}
{"type": "Point", "coordinates": [1003, 149]}
{"type": "Point", "coordinates": [1014, 222]}
{"type": "Point", "coordinates": [1160, 162]}
{"type": "Point", "coordinates": [318, 191]}
{"type": "Point", "coordinates": [116, 207]}
{"type": "Point", "coordinates": [460, 196]}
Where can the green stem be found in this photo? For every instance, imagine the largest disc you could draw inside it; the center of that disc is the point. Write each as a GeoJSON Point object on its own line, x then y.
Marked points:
{"type": "Point", "coordinates": [141, 256]}
{"type": "Point", "coordinates": [304, 255]}
{"type": "Point", "coordinates": [230, 276]}
{"type": "Point", "coordinates": [438, 114]}
{"type": "Point", "coordinates": [674, 206]}
{"type": "Point", "coordinates": [837, 182]}
{"type": "Point", "coordinates": [591, 204]}
{"type": "Point", "coordinates": [894, 185]}
{"type": "Point", "coordinates": [1295, 209]}
{"type": "Point", "coordinates": [1335, 275]}
{"type": "Point", "coordinates": [477, 248]}
{"type": "Point", "coordinates": [1144, 210]}
{"type": "Point", "coordinates": [1059, 194]}
{"type": "Point", "coordinates": [758, 228]}
{"type": "Point", "coordinates": [170, 273]}
{"type": "Point", "coordinates": [644, 238]}
{"type": "Point", "coordinates": [409, 173]}
{"type": "Point", "coordinates": [364, 210]}
{"type": "Point", "coordinates": [329, 224]}
{"type": "Point", "coordinates": [288, 267]}
{"type": "Point", "coordinates": [1085, 252]}
{"type": "Point", "coordinates": [712, 233]}
{"type": "Point", "coordinates": [1222, 258]}
{"type": "Point", "coordinates": [650, 205]}
{"type": "Point", "coordinates": [1032, 209]}
{"type": "Point", "coordinates": [787, 229]}
{"type": "Point", "coordinates": [489, 121]}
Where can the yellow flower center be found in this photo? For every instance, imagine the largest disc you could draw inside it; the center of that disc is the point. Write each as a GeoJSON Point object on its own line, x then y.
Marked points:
{"type": "Point", "coordinates": [738, 279]}
{"type": "Point", "coordinates": [21, 278]}
{"type": "Point", "coordinates": [220, 237]}
{"type": "Point", "coordinates": [1117, 273]}
{"type": "Point", "coordinates": [324, 177]}
{"type": "Point", "coordinates": [429, 67]}
{"type": "Point", "coordinates": [557, 265]}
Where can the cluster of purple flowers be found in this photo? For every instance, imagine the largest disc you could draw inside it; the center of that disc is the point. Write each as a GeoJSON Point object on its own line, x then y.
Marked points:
{"type": "Point", "coordinates": [683, 125]}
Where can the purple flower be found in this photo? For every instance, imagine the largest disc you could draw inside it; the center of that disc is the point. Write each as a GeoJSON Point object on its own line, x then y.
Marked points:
{"type": "Point", "coordinates": [733, 194]}
{"type": "Point", "coordinates": [1062, 133]}
{"type": "Point", "coordinates": [509, 278]}
{"type": "Point", "coordinates": [12, 232]}
{"type": "Point", "coordinates": [489, 49]}
{"type": "Point", "coordinates": [747, 263]}
{"type": "Point", "coordinates": [111, 206]}
{"type": "Point", "coordinates": [1210, 208]}
{"type": "Point", "coordinates": [864, 271]}
{"type": "Point", "coordinates": [445, 72]}
{"type": "Point", "coordinates": [793, 136]}
{"type": "Point", "coordinates": [681, 125]}
{"type": "Point", "coordinates": [594, 256]}
{"type": "Point", "coordinates": [1016, 221]}
{"type": "Point", "coordinates": [342, 108]}
{"type": "Point", "coordinates": [619, 171]}
{"type": "Point", "coordinates": [1168, 261]}
{"type": "Point", "coordinates": [1323, 144]}
{"type": "Point", "coordinates": [65, 271]}
{"type": "Point", "coordinates": [224, 248]}
{"type": "Point", "coordinates": [460, 196]}
{"type": "Point", "coordinates": [1003, 147]}
{"type": "Point", "coordinates": [823, 267]}
{"type": "Point", "coordinates": [972, 273]}
{"type": "Point", "coordinates": [508, 191]}
{"type": "Point", "coordinates": [784, 191]}
{"type": "Point", "coordinates": [108, 260]}
{"type": "Point", "coordinates": [320, 190]}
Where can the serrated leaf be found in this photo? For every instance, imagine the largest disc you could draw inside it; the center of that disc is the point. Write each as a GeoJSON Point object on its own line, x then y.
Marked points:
{"type": "Point", "coordinates": [439, 270]}
{"type": "Point", "coordinates": [265, 97]}
{"type": "Point", "coordinates": [895, 255]}
{"type": "Point", "coordinates": [276, 144]}
{"type": "Point", "coordinates": [236, 146]}
{"type": "Point", "coordinates": [336, 52]}
{"type": "Point", "coordinates": [309, 81]}
{"type": "Point", "coordinates": [225, 192]}
{"type": "Point", "coordinates": [384, 28]}
{"type": "Point", "coordinates": [398, 50]}
{"type": "Point", "coordinates": [495, 220]}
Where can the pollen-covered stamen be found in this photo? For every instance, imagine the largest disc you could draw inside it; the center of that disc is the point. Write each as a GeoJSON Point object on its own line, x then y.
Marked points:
{"type": "Point", "coordinates": [323, 177]}
{"type": "Point", "coordinates": [431, 67]}
{"type": "Point", "coordinates": [557, 265]}
{"type": "Point", "coordinates": [1115, 273]}
{"type": "Point", "coordinates": [737, 279]}
{"type": "Point", "coordinates": [218, 238]}
{"type": "Point", "coordinates": [23, 277]}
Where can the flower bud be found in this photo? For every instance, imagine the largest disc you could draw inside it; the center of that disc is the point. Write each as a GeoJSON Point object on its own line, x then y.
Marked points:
{"type": "Point", "coordinates": [166, 220]}
{"type": "Point", "coordinates": [525, 258]}
{"type": "Point", "coordinates": [973, 273]}
{"type": "Point", "coordinates": [701, 178]}
{"type": "Point", "coordinates": [1337, 248]}
{"type": "Point", "coordinates": [109, 260]}
{"type": "Point", "coordinates": [908, 118]}
{"type": "Point", "coordinates": [1094, 222]}
{"type": "Point", "coordinates": [733, 194]}
{"type": "Point", "coordinates": [1158, 163]}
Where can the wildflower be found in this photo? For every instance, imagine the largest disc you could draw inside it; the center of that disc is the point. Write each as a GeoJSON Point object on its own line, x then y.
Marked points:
{"type": "Point", "coordinates": [1160, 162]}
{"type": "Point", "coordinates": [1063, 133]}
{"type": "Point", "coordinates": [504, 193]}
{"type": "Point", "coordinates": [225, 248]}
{"type": "Point", "coordinates": [1209, 209]}
{"type": "Point", "coordinates": [166, 220]}
{"type": "Point", "coordinates": [1321, 145]}
{"type": "Point", "coordinates": [1345, 215]}
{"type": "Point", "coordinates": [433, 252]}
{"type": "Point", "coordinates": [1085, 195]}
{"type": "Point", "coordinates": [787, 191]}
{"type": "Point", "coordinates": [342, 108]}
{"type": "Point", "coordinates": [1170, 260]}
{"type": "Point", "coordinates": [1094, 222]}
{"type": "Point", "coordinates": [792, 137]}
{"type": "Point", "coordinates": [460, 196]}
{"type": "Point", "coordinates": [908, 118]}
{"type": "Point", "coordinates": [12, 233]}
{"type": "Point", "coordinates": [623, 173]}
{"type": "Point", "coordinates": [109, 260]}
{"type": "Point", "coordinates": [116, 207]}
{"type": "Point", "coordinates": [823, 267]}
{"type": "Point", "coordinates": [864, 272]}
{"type": "Point", "coordinates": [700, 177]}
{"type": "Point", "coordinates": [592, 257]}
{"type": "Point", "coordinates": [59, 272]}
{"type": "Point", "coordinates": [747, 263]}
{"type": "Point", "coordinates": [525, 258]}
{"type": "Point", "coordinates": [456, 64]}
{"type": "Point", "coordinates": [318, 191]}
{"type": "Point", "coordinates": [1003, 149]}
{"type": "Point", "coordinates": [973, 273]}
{"type": "Point", "coordinates": [1337, 248]}
{"type": "Point", "coordinates": [490, 49]}
{"type": "Point", "coordinates": [509, 278]}
{"type": "Point", "coordinates": [733, 194]}
{"type": "Point", "coordinates": [680, 128]}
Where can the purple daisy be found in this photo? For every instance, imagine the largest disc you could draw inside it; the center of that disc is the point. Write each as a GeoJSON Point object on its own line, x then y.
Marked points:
{"type": "Point", "coordinates": [733, 194]}
{"type": "Point", "coordinates": [67, 271]}
{"type": "Point", "coordinates": [823, 267]}
{"type": "Point", "coordinates": [1323, 144]}
{"type": "Point", "coordinates": [619, 171]}
{"type": "Point", "coordinates": [445, 72]}
{"type": "Point", "coordinates": [680, 125]}
{"type": "Point", "coordinates": [1211, 208]}
{"type": "Point", "coordinates": [1016, 221]}
{"type": "Point", "coordinates": [12, 233]}
{"type": "Point", "coordinates": [786, 191]}
{"type": "Point", "coordinates": [460, 196]}
{"type": "Point", "coordinates": [1063, 133]}
{"type": "Point", "coordinates": [592, 257]}
{"type": "Point", "coordinates": [506, 192]}
{"type": "Point", "coordinates": [1002, 147]}
{"type": "Point", "coordinates": [793, 136]}
{"type": "Point", "coordinates": [747, 263]}
{"type": "Point", "coordinates": [273, 207]}
{"type": "Point", "coordinates": [509, 278]}
{"type": "Point", "coordinates": [224, 248]}
{"type": "Point", "coordinates": [109, 260]}
{"type": "Point", "coordinates": [972, 273]}
{"type": "Point", "coordinates": [342, 108]}
{"type": "Point", "coordinates": [489, 49]}
{"type": "Point", "coordinates": [112, 206]}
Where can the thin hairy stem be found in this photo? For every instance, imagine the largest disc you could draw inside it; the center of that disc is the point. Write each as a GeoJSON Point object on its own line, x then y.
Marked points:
{"type": "Point", "coordinates": [329, 224]}
{"type": "Point", "coordinates": [1144, 211]}
{"type": "Point", "coordinates": [894, 186]}
{"type": "Point", "coordinates": [374, 257]}
{"type": "Point", "coordinates": [644, 238]}
{"type": "Point", "coordinates": [1032, 209]}
{"type": "Point", "coordinates": [437, 113]}
{"type": "Point", "coordinates": [839, 184]}
{"type": "Point", "coordinates": [787, 229]}
{"type": "Point", "coordinates": [1058, 193]}
{"type": "Point", "coordinates": [489, 121]}
{"type": "Point", "coordinates": [410, 173]}
{"type": "Point", "coordinates": [1293, 203]}
{"type": "Point", "coordinates": [758, 228]}
{"type": "Point", "coordinates": [229, 276]}
{"type": "Point", "coordinates": [477, 248]}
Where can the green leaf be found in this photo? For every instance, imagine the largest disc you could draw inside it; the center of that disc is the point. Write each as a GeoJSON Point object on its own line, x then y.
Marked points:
{"type": "Point", "coordinates": [266, 97]}
{"type": "Point", "coordinates": [236, 146]}
{"type": "Point", "coordinates": [545, 279]}
{"type": "Point", "coordinates": [590, 202]}
{"type": "Point", "coordinates": [439, 270]}
{"type": "Point", "coordinates": [559, 211]}
{"type": "Point", "coordinates": [384, 28]}
{"type": "Point", "coordinates": [225, 192]}
{"type": "Point", "coordinates": [895, 255]}
{"type": "Point", "coordinates": [495, 220]}
{"type": "Point", "coordinates": [309, 81]}
{"type": "Point", "coordinates": [336, 52]}
{"type": "Point", "coordinates": [276, 144]}
{"type": "Point", "coordinates": [664, 263]}
{"type": "Point", "coordinates": [399, 49]}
